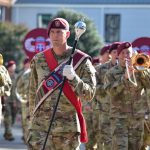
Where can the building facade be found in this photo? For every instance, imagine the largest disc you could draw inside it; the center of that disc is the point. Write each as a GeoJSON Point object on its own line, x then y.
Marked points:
{"type": "Point", "coordinates": [5, 10]}
{"type": "Point", "coordinates": [115, 20]}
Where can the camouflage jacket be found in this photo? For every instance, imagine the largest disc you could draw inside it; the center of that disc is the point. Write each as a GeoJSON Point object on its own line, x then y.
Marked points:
{"type": "Point", "coordinates": [126, 98]}
{"type": "Point", "coordinates": [12, 98]}
{"type": "Point", "coordinates": [84, 86]}
{"type": "Point", "coordinates": [100, 73]}
{"type": "Point", "coordinates": [5, 82]}
{"type": "Point", "coordinates": [22, 85]}
{"type": "Point", "coordinates": [101, 94]}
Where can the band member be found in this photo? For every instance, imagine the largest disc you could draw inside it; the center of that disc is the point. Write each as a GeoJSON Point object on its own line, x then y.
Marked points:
{"type": "Point", "coordinates": [88, 107]}
{"type": "Point", "coordinates": [5, 84]}
{"type": "Point", "coordinates": [104, 54]}
{"type": "Point", "coordinates": [104, 140]}
{"type": "Point", "coordinates": [22, 87]}
{"type": "Point", "coordinates": [47, 70]}
{"type": "Point", "coordinates": [10, 110]}
{"type": "Point", "coordinates": [128, 102]}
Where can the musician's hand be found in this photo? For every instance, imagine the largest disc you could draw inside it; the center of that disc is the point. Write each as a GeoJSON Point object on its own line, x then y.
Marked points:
{"type": "Point", "coordinates": [130, 71]}
{"type": "Point", "coordinates": [129, 68]}
{"type": "Point", "coordinates": [69, 72]}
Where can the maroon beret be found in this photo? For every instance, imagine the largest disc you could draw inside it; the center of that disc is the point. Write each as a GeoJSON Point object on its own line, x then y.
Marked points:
{"type": "Point", "coordinates": [123, 46]}
{"type": "Point", "coordinates": [58, 23]}
{"type": "Point", "coordinates": [10, 63]}
{"type": "Point", "coordinates": [95, 60]}
{"type": "Point", "coordinates": [26, 60]}
{"type": "Point", "coordinates": [114, 46]}
{"type": "Point", "coordinates": [104, 49]}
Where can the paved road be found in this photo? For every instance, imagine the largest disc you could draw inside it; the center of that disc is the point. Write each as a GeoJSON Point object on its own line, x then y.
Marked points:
{"type": "Point", "coordinates": [17, 144]}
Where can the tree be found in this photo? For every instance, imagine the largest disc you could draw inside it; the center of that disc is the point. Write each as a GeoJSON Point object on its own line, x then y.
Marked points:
{"type": "Point", "coordinates": [11, 37]}
{"type": "Point", "coordinates": [90, 41]}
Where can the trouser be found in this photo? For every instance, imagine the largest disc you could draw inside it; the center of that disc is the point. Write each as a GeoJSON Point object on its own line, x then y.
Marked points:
{"type": "Point", "coordinates": [58, 141]}
{"type": "Point", "coordinates": [127, 133]}
{"type": "Point", "coordinates": [8, 118]}
{"type": "Point", "coordinates": [105, 138]}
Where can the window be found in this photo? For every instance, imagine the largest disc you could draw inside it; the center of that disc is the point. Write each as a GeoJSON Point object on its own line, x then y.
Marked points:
{"type": "Point", "coordinates": [112, 28]}
{"type": "Point", "coordinates": [43, 20]}
{"type": "Point", "coordinates": [1, 13]}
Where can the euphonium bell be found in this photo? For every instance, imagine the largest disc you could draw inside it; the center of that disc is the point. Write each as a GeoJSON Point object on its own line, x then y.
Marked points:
{"type": "Point", "coordinates": [1, 59]}
{"type": "Point", "coordinates": [141, 61]}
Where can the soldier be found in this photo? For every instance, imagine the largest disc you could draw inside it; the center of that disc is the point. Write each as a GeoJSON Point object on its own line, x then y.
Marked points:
{"type": "Point", "coordinates": [104, 54]}
{"type": "Point", "coordinates": [91, 110]}
{"type": "Point", "coordinates": [104, 140]}
{"type": "Point", "coordinates": [128, 102]}
{"type": "Point", "coordinates": [22, 87]}
{"type": "Point", "coordinates": [43, 92]}
{"type": "Point", "coordinates": [10, 103]}
{"type": "Point", "coordinates": [5, 84]}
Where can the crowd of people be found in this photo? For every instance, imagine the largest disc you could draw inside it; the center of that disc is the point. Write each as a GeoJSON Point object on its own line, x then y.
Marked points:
{"type": "Point", "coordinates": [99, 105]}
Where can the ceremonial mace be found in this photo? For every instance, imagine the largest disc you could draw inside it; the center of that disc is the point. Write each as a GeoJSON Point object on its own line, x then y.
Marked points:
{"type": "Point", "coordinates": [80, 28]}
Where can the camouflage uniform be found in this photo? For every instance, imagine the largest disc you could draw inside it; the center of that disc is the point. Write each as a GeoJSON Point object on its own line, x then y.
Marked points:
{"type": "Point", "coordinates": [10, 110]}
{"type": "Point", "coordinates": [91, 119]}
{"type": "Point", "coordinates": [88, 113]}
{"type": "Point", "coordinates": [128, 106]}
{"type": "Point", "coordinates": [5, 85]}
{"type": "Point", "coordinates": [64, 134]}
{"type": "Point", "coordinates": [104, 140]}
{"type": "Point", "coordinates": [22, 90]}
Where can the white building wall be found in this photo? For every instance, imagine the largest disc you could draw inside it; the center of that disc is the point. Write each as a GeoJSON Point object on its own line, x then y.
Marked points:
{"type": "Point", "coordinates": [135, 21]}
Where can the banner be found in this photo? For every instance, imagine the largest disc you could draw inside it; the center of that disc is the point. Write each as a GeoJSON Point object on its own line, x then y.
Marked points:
{"type": "Point", "coordinates": [36, 41]}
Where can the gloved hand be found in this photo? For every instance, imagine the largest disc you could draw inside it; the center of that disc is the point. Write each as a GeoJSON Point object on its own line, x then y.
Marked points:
{"type": "Point", "coordinates": [69, 72]}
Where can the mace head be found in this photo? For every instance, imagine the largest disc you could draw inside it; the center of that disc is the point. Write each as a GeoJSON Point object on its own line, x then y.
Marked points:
{"type": "Point", "coordinates": [80, 28]}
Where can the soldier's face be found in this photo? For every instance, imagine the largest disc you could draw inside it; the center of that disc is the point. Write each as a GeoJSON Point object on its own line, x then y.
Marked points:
{"type": "Point", "coordinates": [27, 65]}
{"type": "Point", "coordinates": [125, 54]}
{"type": "Point", "coordinates": [12, 68]}
{"type": "Point", "coordinates": [114, 54]}
{"type": "Point", "coordinates": [59, 37]}
{"type": "Point", "coordinates": [105, 57]}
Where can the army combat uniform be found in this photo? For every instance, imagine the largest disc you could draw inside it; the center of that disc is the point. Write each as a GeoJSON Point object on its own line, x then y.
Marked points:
{"type": "Point", "coordinates": [5, 85]}
{"type": "Point", "coordinates": [10, 110]}
{"type": "Point", "coordinates": [64, 134]}
{"type": "Point", "coordinates": [5, 91]}
{"type": "Point", "coordinates": [104, 140]}
{"type": "Point", "coordinates": [22, 90]}
{"type": "Point", "coordinates": [128, 107]}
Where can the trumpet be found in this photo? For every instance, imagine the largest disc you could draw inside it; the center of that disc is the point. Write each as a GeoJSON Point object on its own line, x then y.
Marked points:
{"type": "Point", "coordinates": [140, 61]}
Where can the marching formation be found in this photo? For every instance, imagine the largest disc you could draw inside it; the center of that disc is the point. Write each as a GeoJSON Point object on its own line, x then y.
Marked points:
{"type": "Point", "coordinates": [103, 105]}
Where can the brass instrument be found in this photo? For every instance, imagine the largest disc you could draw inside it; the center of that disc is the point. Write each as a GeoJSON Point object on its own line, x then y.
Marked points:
{"type": "Point", "coordinates": [141, 61]}
{"type": "Point", "coordinates": [1, 59]}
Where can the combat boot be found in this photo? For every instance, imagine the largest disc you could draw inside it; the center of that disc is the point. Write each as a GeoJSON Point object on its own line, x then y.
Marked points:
{"type": "Point", "coordinates": [8, 136]}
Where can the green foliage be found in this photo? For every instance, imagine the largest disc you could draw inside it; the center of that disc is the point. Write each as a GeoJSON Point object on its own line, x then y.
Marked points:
{"type": "Point", "coordinates": [11, 37]}
{"type": "Point", "coordinates": [90, 41]}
